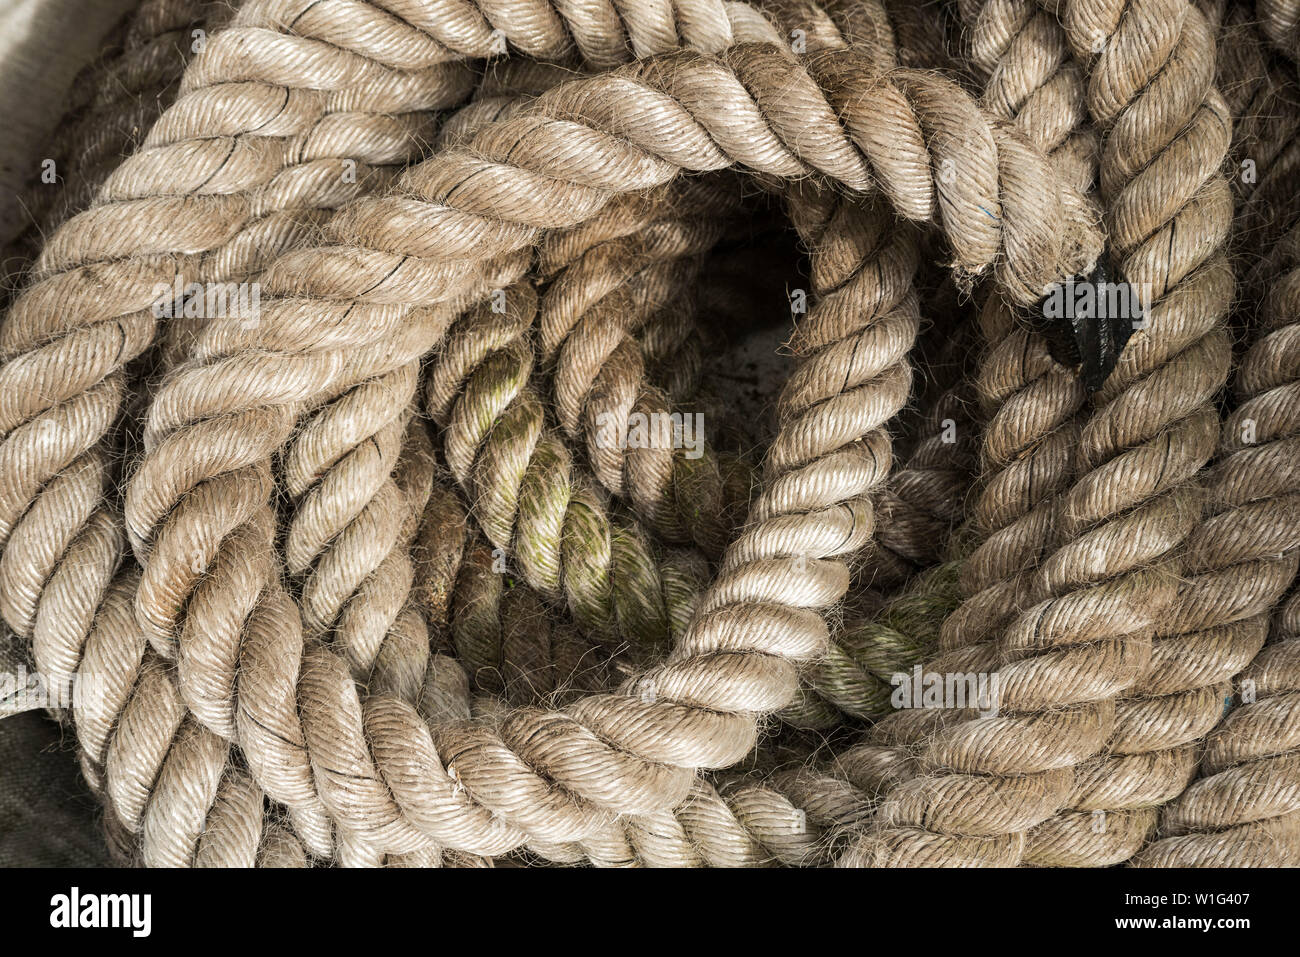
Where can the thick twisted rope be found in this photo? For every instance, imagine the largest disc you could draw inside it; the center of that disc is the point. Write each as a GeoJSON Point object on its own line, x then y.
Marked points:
{"type": "Point", "coordinates": [169, 787]}
{"type": "Point", "coordinates": [1245, 809]}
{"type": "Point", "coordinates": [1029, 402]}
{"type": "Point", "coordinates": [200, 350]}
{"type": "Point", "coordinates": [1087, 578]}
{"type": "Point", "coordinates": [250, 175]}
{"type": "Point", "coordinates": [726, 738]}
{"type": "Point", "coordinates": [243, 208]}
{"type": "Point", "coordinates": [113, 102]}
{"type": "Point", "coordinates": [1217, 619]}
{"type": "Point", "coordinates": [626, 275]}
{"type": "Point", "coordinates": [926, 500]}
{"type": "Point", "coordinates": [542, 518]}
{"type": "Point", "coordinates": [790, 818]}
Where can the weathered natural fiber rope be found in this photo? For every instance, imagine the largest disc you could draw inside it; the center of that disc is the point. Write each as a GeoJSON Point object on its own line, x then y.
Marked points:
{"type": "Point", "coordinates": [612, 373]}
{"type": "Point", "coordinates": [1029, 401]}
{"type": "Point", "coordinates": [857, 666]}
{"type": "Point", "coordinates": [743, 824]}
{"type": "Point", "coordinates": [114, 101]}
{"type": "Point", "coordinates": [360, 573]}
{"type": "Point", "coordinates": [238, 72]}
{"type": "Point", "coordinates": [303, 136]}
{"type": "Point", "coordinates": [1233, 574]}
{"type": "Point", "coordinates": [166, 780]}
{"type": "Point", "coordinates": [536, 271]}
{"type": "Point", "coordinates": [926, 499]}
{"type": "Point", "coordinates": [855, 675]}
{"type": "Point", "coordinates": [621, 295]}
{"type": "Point", "coordinates": [317, 667]}
{"type": "Point", "coordinates": [850, 677]}
{"type": "Point", "coordinates": [1238, 562]}
{"type": "Point", "coordinates": [480, 341]}
{"type": "Point", "coordinates": [168, 785]}
{"type": "Point", "coordinates": [253, 194]}
{"type": "Point", "coordinates": [1033, 81]}
{"type": "Point", "coordinates": [352, 520]}
{"type": "Point", "coordinates": [1021, 53]}
{"type": "Point", "coordinates": [1245, 809]}
{"type": "Point", "coordinates": [968, 817]}
{"type": "Point", "coordinates": [520, 480]}
{"type": "Point", "coordinates": [634, 267]}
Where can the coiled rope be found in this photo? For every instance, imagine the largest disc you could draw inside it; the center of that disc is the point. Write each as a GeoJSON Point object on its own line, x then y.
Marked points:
{"type": "Point", "coordinates": [315, 644]}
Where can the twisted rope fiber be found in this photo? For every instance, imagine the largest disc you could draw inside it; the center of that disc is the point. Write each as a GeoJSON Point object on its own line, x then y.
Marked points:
{"type": "Point", "coordinates": [1032, 81]}
{"type": "Point", "coordinates": [858, 294]}
{"type": "Point", "coordinates": [254, 197]}
{"type": "Point", "coordinates": [352, 849]}
{"type": "Point", "coordinates": [479, 629]}
{"type": "Point", "coordinates": [171, 796]}
{"type": "Point", "coordinates": [703, 480]}
{"type": "Point", "coordinates": [284, 170]}
{"type": "Point", "coordinates": [744, 824]}
{"type": "Point", "coordinates": [855, 677]}
{"type": "Point", "coordinates": [529, 501]}
{"type": "Point", "coordinates": [992, 829]}
{"type": "Point", "coordinates": [926, 500]}
{"type": "Point", "coordinates": [1245, 809]}
{"type": "Point", "coordinates": [162, 771]}
{"type": "Point", "coordinates": [168, 786]}
{"type": "Point", "coordinates": [542, 518]}
{"type": "Point", "coordinates": [1237, 495]}
{"type": "Point", "coordinates": [849, 682]}
{"type": "Point", "coordinates": [839, 236]}
{"type": "Point", "coordinates": [226, 77]}
{"type": "Point", "coordinates": [244, 76]}
{"type": "Point", "coordinates": [598, 374]}
{"type": "Point", "coordinates": [113, 100]}
{"type": "Point", "coordinates": [852, 251]}
{"type": "Point", "coordinates": [1217, 619]}
{"type": "Point", "coordinates": [860, 660]}
{"type": "Point", "coordinates": [349, 849]}
{"type": "Point", "coordinates": [317, 664]}
{"type": "Point", "coordinates": [1029, 406]}
{"type": "Point", "coordinates": [1262, 92]}
{"type": "Point", "coordinates": [1029, 402]}
{"type": "Point", "coordinates": [636, 286]}
{"type": "Point", "coordinates": [741, 823]}
{"type": "Point", "coordinates": [626, 276]}
{"type": "Point", "coordinates": [343, 532]}
{"type": "Point", "coordinates": [469, 583]}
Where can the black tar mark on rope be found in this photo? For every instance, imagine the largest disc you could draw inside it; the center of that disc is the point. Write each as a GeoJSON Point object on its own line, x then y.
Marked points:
{"type": "Point", "coordinates": [1089, 339]}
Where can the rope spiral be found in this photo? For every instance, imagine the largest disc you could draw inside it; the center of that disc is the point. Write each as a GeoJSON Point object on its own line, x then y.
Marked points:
{"type": "Point", "coordinates": [416, 564]}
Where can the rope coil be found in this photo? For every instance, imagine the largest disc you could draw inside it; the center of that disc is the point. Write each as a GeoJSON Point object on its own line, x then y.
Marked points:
{"type": "Point", "coordinates": [411, 568]}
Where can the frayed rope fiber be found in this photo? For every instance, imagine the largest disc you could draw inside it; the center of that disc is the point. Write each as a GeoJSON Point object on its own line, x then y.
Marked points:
{"type": "Point", "coordinates": [449, 534]}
